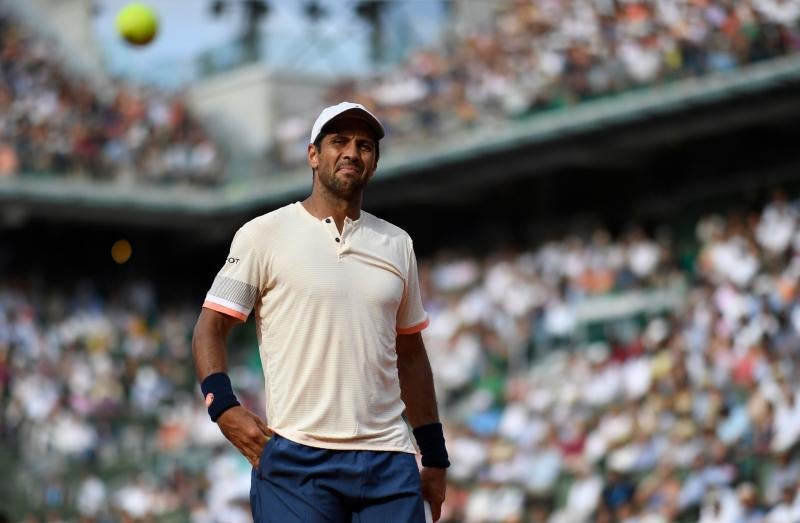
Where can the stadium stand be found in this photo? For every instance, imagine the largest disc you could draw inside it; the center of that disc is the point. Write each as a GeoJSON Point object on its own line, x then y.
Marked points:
{"type": "Point", "coordinates": [545, 54]}
{"type": "Point", "coordinates": [53, 123]}
{"type": "Point", "coordinates": [559, 407]}
{"type": "Point", "coordinates": [596, 377]}
{"type": "Point", "coordinates": [531, 57]}
{"type": "Point", "coordinates": [535, 56]}
{"type": "Point", "coordinates": [684, 416]}
{"type": "Point", "coordinates": [249, 184]}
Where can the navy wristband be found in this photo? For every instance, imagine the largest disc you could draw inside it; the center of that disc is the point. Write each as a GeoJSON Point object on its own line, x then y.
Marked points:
{"type": "Point", "coordinates": [218, 393]}
{"type": "Point", "coordinates": [430, 440]}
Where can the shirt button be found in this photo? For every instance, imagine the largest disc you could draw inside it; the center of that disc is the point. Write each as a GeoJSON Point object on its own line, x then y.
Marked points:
{"type": "Point", "coordinates": [337, 240]}
{"type": "Point", "coordinates": [327, 220]}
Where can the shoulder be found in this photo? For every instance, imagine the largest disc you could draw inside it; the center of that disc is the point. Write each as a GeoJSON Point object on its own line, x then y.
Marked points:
{"type": "Point", "coordinates": [383, 228]}
{"type": "Point", "coordinates": [266, 223]}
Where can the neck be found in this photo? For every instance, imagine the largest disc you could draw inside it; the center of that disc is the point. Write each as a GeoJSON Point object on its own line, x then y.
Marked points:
{"type": "Point", "coordinates": [322, 205]}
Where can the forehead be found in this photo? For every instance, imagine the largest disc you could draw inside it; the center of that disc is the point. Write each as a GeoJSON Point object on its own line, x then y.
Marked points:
{"type": "Point", "coordinates": [351, 126]}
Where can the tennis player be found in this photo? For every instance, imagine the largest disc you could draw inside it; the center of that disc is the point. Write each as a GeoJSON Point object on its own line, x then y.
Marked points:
{"type": "Point", "coordinates": [339, 317]}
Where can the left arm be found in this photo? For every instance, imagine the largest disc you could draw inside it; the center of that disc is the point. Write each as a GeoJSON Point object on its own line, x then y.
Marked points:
{"type": "Point", "coordinates": [416, 380]}
{"type": "Point", "coordinates": [416, 391]}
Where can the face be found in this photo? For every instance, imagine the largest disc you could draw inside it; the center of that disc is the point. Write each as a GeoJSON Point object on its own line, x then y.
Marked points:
{"type": "Point", "coordinates": [346, 159]}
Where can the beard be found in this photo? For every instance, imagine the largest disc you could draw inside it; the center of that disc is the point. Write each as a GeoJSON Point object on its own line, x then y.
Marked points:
{"type": "Point", "coordinates": [344, 187]}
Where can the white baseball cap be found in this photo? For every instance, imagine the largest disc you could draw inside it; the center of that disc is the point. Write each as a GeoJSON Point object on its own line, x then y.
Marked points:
{"type": "Point", "coordinates": [353, 109]}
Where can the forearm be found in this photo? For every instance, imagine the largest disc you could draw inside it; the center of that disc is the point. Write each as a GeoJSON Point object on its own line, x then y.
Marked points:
{"type": "Point", "coordinates": [244, 429]}
{"type": "Point", "coordinates": [416, 386]}
{"type": "Point", "coordinates": [208, 347]}
{"type": "Point", "coordinates": [417, 392]}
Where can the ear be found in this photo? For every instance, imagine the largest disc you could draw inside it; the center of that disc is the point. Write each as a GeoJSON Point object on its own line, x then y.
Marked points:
{"type": "Point", "coordinates": [313, 157]}
{"type": "Point", "coordinates": [374, 168]}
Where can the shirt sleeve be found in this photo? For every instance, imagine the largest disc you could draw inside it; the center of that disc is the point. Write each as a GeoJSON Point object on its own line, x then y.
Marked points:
{"type": "Point", "coordinates": [237, 284]}
{"type": "Point", "coordinates": [411, 316]}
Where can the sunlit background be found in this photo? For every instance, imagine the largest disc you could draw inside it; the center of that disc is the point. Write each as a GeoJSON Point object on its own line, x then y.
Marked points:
{"type": "Point", "coordinates": [603, 196]}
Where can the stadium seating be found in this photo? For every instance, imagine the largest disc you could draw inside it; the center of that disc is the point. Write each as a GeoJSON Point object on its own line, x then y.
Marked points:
{"type": "Point", "coordinates": [537, 56]}
{"type": "Point", "coordinates": [52, 123]}
{"type": "Point", "coordinates": [532, 57]}
{"type": "Point", "coordinates": [591, 378]}
{"type": "Point", "coordinates": [666, 413]}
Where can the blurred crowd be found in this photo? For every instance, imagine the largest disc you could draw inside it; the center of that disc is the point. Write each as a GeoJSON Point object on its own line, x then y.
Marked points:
{"type": "Point", "coordinates": [52, 122]}
{"type": "Point", "coordinates": [530, 55]}
{"type": "Point", "coordinates": [100, 408]}
{"type": "Point", "coordinates": [690, 414]}
{"type": "Point", "coordinates": [541, 54]}
{"type": "Point", "coordinates": [574, 385]}
{"type": "Point", "coordinates": [537, 54]}
{"type": "Point", "coordinates": [570, 391]}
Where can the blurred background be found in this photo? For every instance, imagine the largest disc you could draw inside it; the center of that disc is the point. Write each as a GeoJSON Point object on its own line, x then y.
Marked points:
{"type": "Point", "coordinates": [603, 196]}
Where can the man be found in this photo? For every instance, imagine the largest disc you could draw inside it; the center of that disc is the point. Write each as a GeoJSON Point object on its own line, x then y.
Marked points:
{"type": "Point", "coordinates": [339, 315]}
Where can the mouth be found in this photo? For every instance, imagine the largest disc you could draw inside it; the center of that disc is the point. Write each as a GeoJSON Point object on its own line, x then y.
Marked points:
{"type": "Point", "coordinates": [349, 169]}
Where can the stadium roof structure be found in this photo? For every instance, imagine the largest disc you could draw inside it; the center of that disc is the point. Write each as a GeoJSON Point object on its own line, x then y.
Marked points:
{"type": "Point", "coordinates": [455, 163]}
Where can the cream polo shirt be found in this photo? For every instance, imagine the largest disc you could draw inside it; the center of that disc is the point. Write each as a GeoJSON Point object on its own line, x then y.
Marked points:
{"type": "Point", "coordinates": [328, 309]}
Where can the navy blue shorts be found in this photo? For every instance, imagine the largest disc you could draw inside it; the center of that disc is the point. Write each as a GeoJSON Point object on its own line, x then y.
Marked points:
{"type": "Point", "coordinates": [294, 483]}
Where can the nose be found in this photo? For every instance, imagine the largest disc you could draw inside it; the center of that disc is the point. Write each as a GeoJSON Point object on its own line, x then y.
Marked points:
{"type": "Point", "coordinates": [351, 151]}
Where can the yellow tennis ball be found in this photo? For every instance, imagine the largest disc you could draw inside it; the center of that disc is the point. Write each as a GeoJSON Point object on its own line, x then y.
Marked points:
{"type": "Point", "coordinates": [137, 23]}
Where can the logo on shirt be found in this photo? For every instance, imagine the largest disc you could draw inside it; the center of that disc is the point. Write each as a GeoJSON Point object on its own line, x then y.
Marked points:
{"type": "Point", "coordinates": [233, 260]}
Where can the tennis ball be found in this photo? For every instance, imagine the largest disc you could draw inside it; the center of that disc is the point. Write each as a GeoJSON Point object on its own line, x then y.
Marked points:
{"type": "Point", "coordinates": [137, 23]}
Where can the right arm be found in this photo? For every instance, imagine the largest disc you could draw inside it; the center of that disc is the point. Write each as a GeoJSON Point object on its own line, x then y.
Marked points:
{"type": "Point", "coordinates": [243, 428]}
